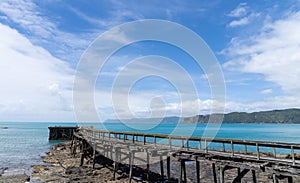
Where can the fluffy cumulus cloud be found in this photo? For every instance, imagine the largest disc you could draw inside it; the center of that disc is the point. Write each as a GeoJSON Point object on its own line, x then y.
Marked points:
{"type": "Point", "coordinates": [43, 31]}
{"type": "Point", "coordinates": [34, 85]}
{"type": "Point", "coordinates": [274, 53]}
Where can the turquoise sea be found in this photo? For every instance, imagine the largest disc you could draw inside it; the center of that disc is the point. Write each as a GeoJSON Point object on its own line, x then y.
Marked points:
{"type": "Point", "coordinates": [22, 144]}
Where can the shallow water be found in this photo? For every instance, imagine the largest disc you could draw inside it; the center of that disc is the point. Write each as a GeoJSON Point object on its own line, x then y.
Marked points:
{"type": "Point", "coordinates": [22, 144]}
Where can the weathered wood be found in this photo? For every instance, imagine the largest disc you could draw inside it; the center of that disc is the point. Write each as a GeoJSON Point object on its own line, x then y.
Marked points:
{"type": "Point", "coordinates": [117, 149]}
{"type": "Point", "coordinates": [169, 168]}
{"type": "Point", "coordinates": [293, 154]}
{"type": "Point", "coordinates": [62, 132]}
{"type": "Point", "coordinates": [148, 166]}
{"type": "Point", "coordinates": [275, 180]}
{"type": "Point", "coordinates": [227, 159]}
{"type": "Point", "coordinates": [290, 179]}
{"type": "Point", "coordinates": [257, 151]}
{"type": "Point", "coordinates": [222, 174]}
{"type": "Point", "coordinates": [183, 171]}
{"type": "Point", "coordinates": [232, 148]}
{"type": "Point", "coordinates": [253, 176]}
{"type": "Point", "coordinates": [198, 171]}
{"type": "Point", "coordinates": [239, 177]}
{"type": "Point", "coordinates": [187, 144]}
{"type": "Point", "coordinates": [94, 154]}
{"type": "Point", "coordinates": [131, 161]}
{"type": "Point", "coordinates": [161, 167]}
{"type": "Point", "coordinates": [214, 172]}
{"type": "Point", "coordinates": [81, 158]}
{"type": "Point", "coordinates": [238, 174]}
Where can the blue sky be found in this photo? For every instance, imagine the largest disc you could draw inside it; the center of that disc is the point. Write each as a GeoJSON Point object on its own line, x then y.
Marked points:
{"type": "Point", "coordinates": [257, 44]}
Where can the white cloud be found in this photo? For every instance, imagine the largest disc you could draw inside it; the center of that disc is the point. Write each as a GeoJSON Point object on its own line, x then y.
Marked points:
{"type": "Point", "coordinates": [25, 14]}
{"type": "Point", "coordinates": [239, 11]}
{"type": "Point", "coordinates": [279, 102]}
{"type": "Point", "coordinates": [35, 86]}
{"type": "Point", "coordinates": [45, 32]}
{"type": "Point", "coordinates": [274, 52]}
{"type": "Point", "coordinates": [149, 104]}
{"type": "Point", "coordinates": [243, 21]}
{"type": "Point", "coordinates": [266, 91]}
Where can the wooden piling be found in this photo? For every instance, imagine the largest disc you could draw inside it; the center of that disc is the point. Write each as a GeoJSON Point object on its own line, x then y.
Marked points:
{"type": "Point", "coordinates": [161, 167]}
{"type": "Point", "coordinates": [253, 176]}
{"type": "Point", "coordinates": [182, 171]}
{"type": "Point", "coordinates": [168, 168]}
{"type": "Point", "coordinates": [105, 143]}
{"type": "Point", "coordinates": [245, 149]}
{"type": "Point", "coordinates": [275, 180]}
{"type": "Point", "coordinates": [116, 161]}
{"type": "Point", "coordinates": [232, 148]}
{"type": "Point", "coordinates": [274, 152]}
{"type": "Point", "coordinates": [148, 166]}
{"type": "Point", "coordinates": [222, 174]}
{"type": "Point", "coordinates": [238, 174]}
{"type": "Point", "coordinates": [290, 179]}
{"type": "Point", "coordinates": [257, 151]}
{"type": "Point", "coordinates": [198, 170]}
{"type": "Point", "coordinates": [293, 155]}
{"type": "Point", "coordinates": [214, 172]}
{"type": "Point", "coordinates": [131, 161]}
{"type": "Point", "coordinates": [94, 154]}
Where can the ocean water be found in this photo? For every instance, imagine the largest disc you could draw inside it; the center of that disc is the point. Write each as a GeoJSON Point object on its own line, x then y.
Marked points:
{"type": "Point", "coordinates": [23, 144]}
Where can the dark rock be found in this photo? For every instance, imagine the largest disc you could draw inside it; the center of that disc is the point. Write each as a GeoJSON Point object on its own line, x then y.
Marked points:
{"type": "Point", "coordinates": [73, 170]}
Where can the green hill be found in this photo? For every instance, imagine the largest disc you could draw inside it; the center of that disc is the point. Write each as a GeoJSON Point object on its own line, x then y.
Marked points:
{"type": "Point", "coordinates": [274, 116]}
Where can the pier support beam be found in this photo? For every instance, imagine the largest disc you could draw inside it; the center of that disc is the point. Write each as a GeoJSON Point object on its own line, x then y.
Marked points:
{"type": "Point", "coordinates": [198, 170]}
{"type": "Point", "coordinates": [238, 178]}
{"type": "Point", "coordinates": [116, 161]}
{"type": "Point", "coordinates": [131, 162]}
{"type": "Point", "coordinates": [222, 174]}
{"type": "Point", "coordinates": [94, 154]}
{"type": "Point", "coordinates": [276, 178]}
{"type": "Point", "coordinates": [182, 171]}
{"type": "Point", "coordinates": [168, 168]}
{"type": "Point", "coordinates": [253, 176]}
{"type": "Point", "coordinates": [161, 168]}
{"type": "Point", "coordinates": [148, 166]}
{"type": "Point", "coordinates": [214, 172]}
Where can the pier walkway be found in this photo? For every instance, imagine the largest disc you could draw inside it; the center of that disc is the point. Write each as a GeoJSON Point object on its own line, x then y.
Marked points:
{"type": "Point", "coordinates": [279, 160]}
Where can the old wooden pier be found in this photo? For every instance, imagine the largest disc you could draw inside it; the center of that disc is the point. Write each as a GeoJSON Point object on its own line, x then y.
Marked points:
{"type": "Point", "coordinates": [244, 157]}
{"type": "Point", "coordinates": [61, 132]}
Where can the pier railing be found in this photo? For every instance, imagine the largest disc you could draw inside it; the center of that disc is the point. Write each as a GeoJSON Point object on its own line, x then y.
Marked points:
{"type": "Point", "coordinates": [273, 151]}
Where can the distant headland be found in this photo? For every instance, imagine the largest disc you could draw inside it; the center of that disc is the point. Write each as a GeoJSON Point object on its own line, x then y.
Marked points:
{"type": "Point", "coordinates": [273, 116]}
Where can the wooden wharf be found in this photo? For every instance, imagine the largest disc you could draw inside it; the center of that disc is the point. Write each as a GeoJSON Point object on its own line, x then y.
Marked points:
{"type": "Point", "coordinates": [61, 132]}
{"type": "Point", "coordinates": [242, 156]}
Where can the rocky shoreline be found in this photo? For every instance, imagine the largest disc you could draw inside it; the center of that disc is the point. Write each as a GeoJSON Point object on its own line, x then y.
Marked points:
{"type": "Point", "coordinates": [61, 166]}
